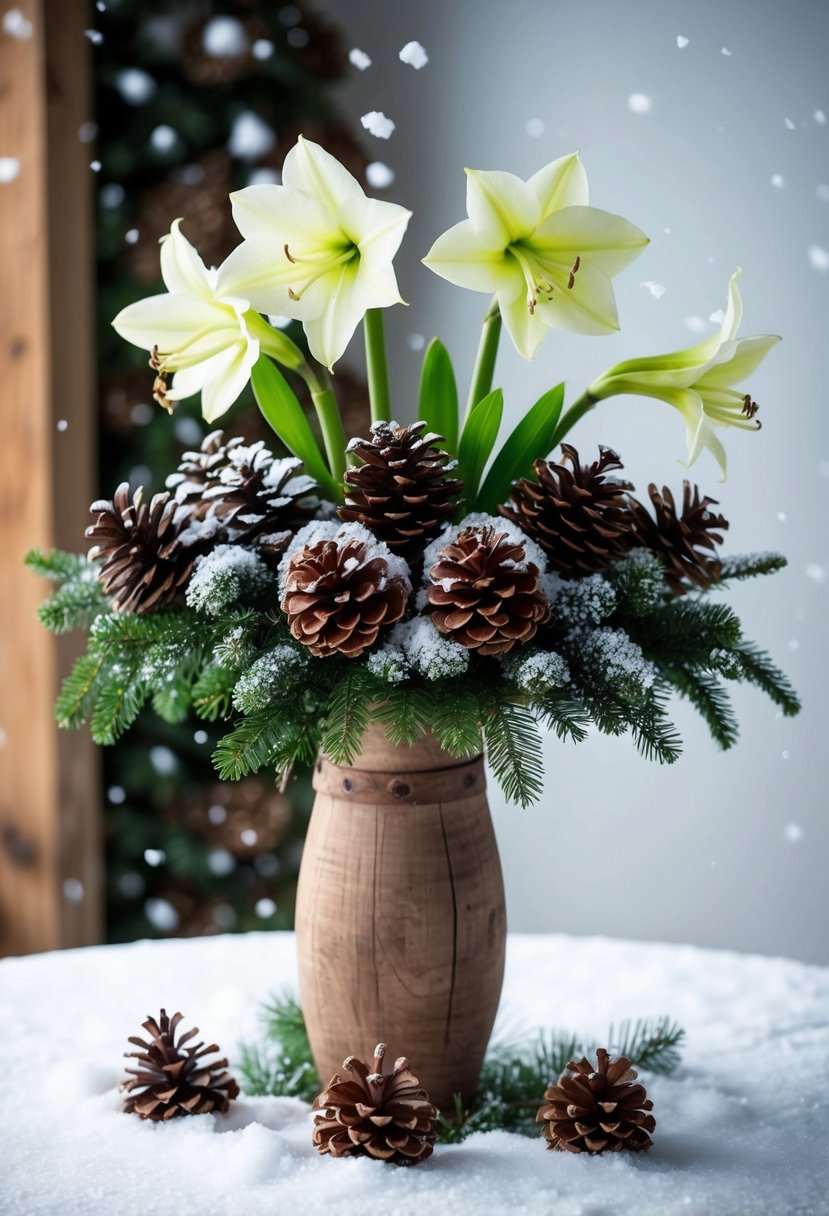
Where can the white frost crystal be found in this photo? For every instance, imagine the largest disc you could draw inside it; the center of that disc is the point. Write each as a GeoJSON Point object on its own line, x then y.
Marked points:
{"type": "Point", "coordinates": [225, 576]}
{"type": "Point", "coordinates": [376, 123]}
{"type": "Point", "coordinates": [389, 663]}
{"type": "Point", "coordinates": [613, 656]}
{"type": "Point", "coordinates": [584, 601]}
{"type": "Point", "coordinates": [537, 671]}
{"type": "Point", "coordinates": [359, 59]}
{"type": "Point", "coordinates": [427, 651]}
{"type": "Point", "coordinates": [266, 679]}
{"type": "Point", "coordinates": [414, 54]}
{"type": "Point", "coordinates": [379, 176]}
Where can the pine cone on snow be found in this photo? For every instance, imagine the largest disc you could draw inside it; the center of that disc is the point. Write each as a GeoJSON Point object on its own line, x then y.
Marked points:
{"type": "Point", "coordinates": [339, 594]}
{"type": "Point", "coordinates": [146, 549]}
{"type": "Point", "coordinates": [685, 540]}
{"type": "Point", "coordinates": [578, 516]}
{"type": "Point", "coordinates": [484, 593]}
{"type": "Point", "coordinates": [401, 491]}
{"type": "Point", "coordinates": [173, 1080]}
{"type": "Point", "coordinates": [386, 1116]}
{"type": "Point", "coordinates": [597, 1110]}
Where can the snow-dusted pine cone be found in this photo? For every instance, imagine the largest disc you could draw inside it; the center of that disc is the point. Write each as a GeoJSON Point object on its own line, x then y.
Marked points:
{"type": "Point", "coordinates": [686, 540]}
{"type": "Point", "coordinates": [199, 471]}
{"type": "Point", "coordinates": [261, 500]}
{"type": "Point", "coordinates": [173, 1080]}
{"type": "Point", "coordinates": [376, 1114]}
{"type": "Point", "coordinates": [484, 593]}
{"type": "Point", "coordinates": [402, 491]}
{"type": "Point", "coordinates": [146, 549]}
{"type": "Point", "coordinates": [340, 593]}
{"type": "Point", "coordinates": [597, 1109]}
{"type": "Point", "coordinates": [578, 515]}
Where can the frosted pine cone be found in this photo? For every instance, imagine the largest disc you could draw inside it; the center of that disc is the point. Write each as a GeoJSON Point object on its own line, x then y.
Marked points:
{"type": "Point", "coordinates": [402, 490]}
{"type": "Point", "coordinates": [340, 593]}
{"type": "Point", "coordinates": [173, 1080]}
{"type": "Point", "coordinates": [146, 549]}
{"type": "Point", "coordinates": [597, 1110]}
{"type": "Point", "coordinates": [686, 540]}
{"type": "Point", "coordinates": [383, 1115]}
{"type": "Point", "coordinates": [576, 513]}
{"type": "Point", "coordinates": [484, 593]}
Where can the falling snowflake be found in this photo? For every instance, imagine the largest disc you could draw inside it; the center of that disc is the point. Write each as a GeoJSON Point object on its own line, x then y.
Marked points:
{"type": "Point", "coordinates": [94, 36]}
{"type": "Point", "coordinates": [262, 48]}
{"type": "Point", "coordinates": [414, 54]}
{"type": "Point", "coordinates": [359, 59]}
{"type": "Point", "coordinates": [816, 573]}
{"type": "Point", "coordinates": [657, 290]}
{"type": "Point", "coordinates": [696, 324]}
{"type": "Point", "coordinates": [822, 191]}
{"type": "Point", "coordinates": [73, 890]}
{"type": "Point", "coordinates": [135, 86]}
{"type": "Point", "coordinates": [63, 425]}
{"type": "Point", "coordinates": [682, 41]}
{"type": "Point", "coordinates": [793, 833]}
{"type": "Point", "coordinates": [224, 38]}
{"type": "Point", "coordinates": [725, 51]}
{"type": "Point", "coordinates": [87, 132]}
{"type": "Point", "coordinates": [778, 180]}
{"type": "Point", "coordinates": [717, 316]}
{"type": "Point", "coordinates": [535, 127]}
{"type": "Point", "coordinates": [415, 342]}
{"type": "Point", "coordinates": [163, 137]}
{"type": "Point", "coordinates": [9, 168]}
{"type": "Point", "coordinates": [250, 136]}
{"type": "Point", "coordinates": [820, 117]}
{"type": "Point", "coordinates": [378, 175]}
{"type": "Point", "coordinates": [640, 103]}
{"type": "Point", "coordinates": [789, 124]}
{"type": "Point", "coordinates": [16, 25]}
{"type": "Point", "coordinates": [819, 258]}
{"type": "Point", "coordinates": [376, 123]}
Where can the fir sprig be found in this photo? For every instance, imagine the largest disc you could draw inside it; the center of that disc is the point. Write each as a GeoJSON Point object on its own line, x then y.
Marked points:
{"type": "Point", "coordinates": [513, 1078]}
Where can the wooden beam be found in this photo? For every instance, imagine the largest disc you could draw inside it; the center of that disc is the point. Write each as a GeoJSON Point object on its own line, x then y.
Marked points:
{"type": "Point", "coordinates": [50, 869]}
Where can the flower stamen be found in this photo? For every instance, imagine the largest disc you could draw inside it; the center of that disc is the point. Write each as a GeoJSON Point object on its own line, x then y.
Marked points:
{"type": "Point", "coordinates": [750, 407]}
{"type": "Point", "coordinates": [288, 253]}
{"type": "Point", "coordinates": [574, 269]}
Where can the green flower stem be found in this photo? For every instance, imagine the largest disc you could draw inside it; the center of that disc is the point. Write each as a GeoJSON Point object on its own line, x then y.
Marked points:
{"type": "Point", "coordinates": [485, 359]}
{"type": "Point", "coordinates": [333, 434]}
{"type": "Point", "coordinates": [576, 411]}
{"type": "Point", "coordinates": [377, 366]}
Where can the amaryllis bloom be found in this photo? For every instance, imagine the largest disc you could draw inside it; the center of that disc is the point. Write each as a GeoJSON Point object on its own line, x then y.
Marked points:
{"type": "Point", "coordinates": [699, 381]}
{"type": "Point", "coordinates": [538, 247]}
{"type": "Point", "coordinates": [316, 249]}
{"type": "Point", "coordinates": [196, 332]}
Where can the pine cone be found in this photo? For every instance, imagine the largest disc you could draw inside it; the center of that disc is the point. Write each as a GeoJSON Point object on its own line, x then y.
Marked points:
{"type": "Point", "coordinates": [597, 1110]}
{"type": "Point", "coordinates": [386, 1116]}
{"type": "Point", "coordinates": [200, 471]}
{"type": "Point", "coordinates": [484, 593]}
{"type": "Point", "coordinates": [579, 518]}
{"type": "Point", "coordinates": [146, 550]}
{"type": "Point", "coordinates": [260, 500]}
{"type": "Point", "coordinates": [172, 1079]}
{"type": "Point", "coordinates": [401, 491]}
{"type": "Point", "coordinates": [245, 817]}
{"type": "Point", "coordinates": [685, 541]}
{"type": "Point", "coordinates": [339, 594]}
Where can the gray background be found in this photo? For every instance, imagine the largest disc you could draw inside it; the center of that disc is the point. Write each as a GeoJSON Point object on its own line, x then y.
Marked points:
{"type": "Point", "coordinates": [721, 849]}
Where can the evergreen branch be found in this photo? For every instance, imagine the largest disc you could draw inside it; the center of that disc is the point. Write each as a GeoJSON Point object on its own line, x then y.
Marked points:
{"type": "Point", "coordinates": [759, 670]}
{"type": "Point", "coordinates": [405, 713]}
{"type": "Point", "coordinates": [61, 567]}
{"type": "Point", "coordinates": [686, 630]}
{"type": "Point", "coordinates": [74, 605]}
{"type": "Point", "coordinates": [348, 715]}
{"type": "Point", "coordinates": [748, 565]}
{"type": "Point", "coordinates": [251, 744]}
{"type": "Point", "coordinates": [654, 734]}
{"type": "Point", "coordinates": [513, 747]}
{"type": "Point", "coordinates": [78, 691]}
{"type": "Point", "coordinates": [212, 692]}
{"type": "Point", "coordinates": [118, 704]}
{"type": "Point", "coordinates": [709, 698]}
{"type": "Point", "coordinates": [561, 713]}
{"type": "Point", "coordinates": [455, 722]}
{"type": "Point", "coordinates": [654, 1046]}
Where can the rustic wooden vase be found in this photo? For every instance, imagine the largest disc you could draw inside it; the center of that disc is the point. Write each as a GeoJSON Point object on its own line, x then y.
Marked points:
{"type": "Point", "coordinates": [400, 918]}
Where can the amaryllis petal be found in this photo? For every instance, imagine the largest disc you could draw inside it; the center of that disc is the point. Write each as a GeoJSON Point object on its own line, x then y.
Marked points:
{"type": "Point", "coordinates": [737, 359]}
{"type": "Point", "coordinates": [230, 374]}
{"type": "Point", "coordinates": [597, 237]}
{"type": "Point", "coordinates": [501, 207]}
{"type": "Point", "coordinates": [527, 330]}
{"type": "Point", "coordinates": [165, 321]}
{"type": "Point", "coordinates": [308, 168]}
{"type": "Point", "coordinates": [562, 183]}
{"type": "Point", "coordinates": [330, 333]}
{"type": "Point", "coordinates": [259, 212]}
{"type": "Point", "coordinates": [182, 269]}
{"type": "Point", "coordinates": [460, 256]}
{"type": "Point", "coordinates": [589, 307]}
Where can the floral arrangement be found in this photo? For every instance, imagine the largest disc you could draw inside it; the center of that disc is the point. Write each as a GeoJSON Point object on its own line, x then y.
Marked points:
{"type": "Point", "coordinates": [424, 575]}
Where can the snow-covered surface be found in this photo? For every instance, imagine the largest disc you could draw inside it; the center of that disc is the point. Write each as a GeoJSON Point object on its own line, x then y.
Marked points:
{"type": "Point", "coordinates": [742, 1127]}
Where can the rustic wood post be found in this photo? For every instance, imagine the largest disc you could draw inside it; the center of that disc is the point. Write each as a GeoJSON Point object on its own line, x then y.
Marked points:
{"type": "Point", "coordinates": [50, 885]}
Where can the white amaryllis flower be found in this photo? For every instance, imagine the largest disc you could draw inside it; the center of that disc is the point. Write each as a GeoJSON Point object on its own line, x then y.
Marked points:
{"type": "Point", "coordinates": [196, 331]}
{"type": "Point", "coordinates": [546, 255]}
{"type": "Point", "coordinates": [316, 249]}
{"type": "Point", "coordinates": [699, 381]}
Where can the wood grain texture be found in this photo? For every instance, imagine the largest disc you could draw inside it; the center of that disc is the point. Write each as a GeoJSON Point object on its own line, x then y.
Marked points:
{"type": "Point", "coordinates": [48, 784]}
{"type": "Point", "coordinates": [401, 923]}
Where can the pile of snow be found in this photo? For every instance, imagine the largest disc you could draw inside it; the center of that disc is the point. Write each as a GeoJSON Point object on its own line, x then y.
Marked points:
{"type": "Point", "coordinates": [724, 1143]}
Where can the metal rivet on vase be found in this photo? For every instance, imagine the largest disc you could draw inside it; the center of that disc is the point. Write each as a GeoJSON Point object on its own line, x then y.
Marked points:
{"type": "Point", "coordinates": [348, 784]}
{"type": "Point", "coordinates": [400, 789]}
{"type": "Point", "coordinates": [469, 781]}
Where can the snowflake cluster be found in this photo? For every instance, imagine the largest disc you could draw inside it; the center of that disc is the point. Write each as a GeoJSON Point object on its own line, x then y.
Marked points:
{"type": "Point", "coordinates": [267, 678]}
{"type": "Point", "coordinates": [229, 575]}
{"type": "Point", "coordinates": [536, 672]}
{"type": "Point", "coordinates": [416, 646]}
{"type": "Point", "coordinates": [585, 601]}
{"type": "Point", "coordinates": [609, 657]}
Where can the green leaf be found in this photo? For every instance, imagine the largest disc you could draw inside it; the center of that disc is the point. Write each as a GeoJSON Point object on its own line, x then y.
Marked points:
{"type": "Point", "coordinates": [478, 440]}
{"type": "Point", "coordinates": [284, 414]}
{"type": "Point", "coordinates": [438, 401]}
{"type": "Point", "coordinates": [530, 441]}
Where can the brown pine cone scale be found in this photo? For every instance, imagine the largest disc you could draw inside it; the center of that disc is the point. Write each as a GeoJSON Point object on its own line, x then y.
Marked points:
{"type": "Point", "coordinates": [597, 1109]}
{"type": "Point", "coordinates": [484, 594]}
{"type": "Point", "coordinates": [578, 516]}
{"type": "Point", "coordinates": [387, 1116]}
{"type": "Point", "coordinates": [172, 1080]}
{"type": "Point", "coordinates": [338, 596]}
{"type": "Point", "coordinates": [685, 539]}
